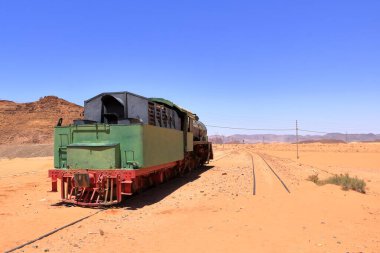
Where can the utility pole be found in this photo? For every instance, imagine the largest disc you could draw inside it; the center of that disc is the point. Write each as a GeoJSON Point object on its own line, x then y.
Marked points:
{"type": "Point", "coordinates": [263, 139]}
{"type": "Point", "coordinates": [346, 138]}
{"type": "Point", "coordinates": [297, 137]}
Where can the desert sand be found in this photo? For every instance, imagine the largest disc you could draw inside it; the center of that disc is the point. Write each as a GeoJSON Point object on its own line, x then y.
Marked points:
{"type": "Point", "coordinates": [212, 209]}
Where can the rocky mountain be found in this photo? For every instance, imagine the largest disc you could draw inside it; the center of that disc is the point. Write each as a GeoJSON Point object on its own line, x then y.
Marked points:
{"type": "Point", "coordinates": [34, 122]}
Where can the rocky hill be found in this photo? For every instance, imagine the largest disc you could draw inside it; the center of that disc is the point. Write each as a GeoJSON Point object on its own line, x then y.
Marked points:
{"type": "Point", "coordinates": [34, 122]}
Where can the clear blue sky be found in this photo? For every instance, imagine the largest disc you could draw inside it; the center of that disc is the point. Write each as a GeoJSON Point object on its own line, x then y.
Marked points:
{"type": "Point", "coordinates": [237, 63]}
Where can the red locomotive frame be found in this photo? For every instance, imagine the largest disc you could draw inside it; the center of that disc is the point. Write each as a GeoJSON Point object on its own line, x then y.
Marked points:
{"type": "Point", "coordinates": [106, 187]}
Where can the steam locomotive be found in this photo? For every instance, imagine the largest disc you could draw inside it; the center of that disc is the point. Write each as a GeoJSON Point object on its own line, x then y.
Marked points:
{"type": "Point", "coordinates": [124, 144]}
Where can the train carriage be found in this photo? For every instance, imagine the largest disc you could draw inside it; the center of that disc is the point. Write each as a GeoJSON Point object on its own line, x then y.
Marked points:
{"type": "Point", "coordinates": [124, 144]}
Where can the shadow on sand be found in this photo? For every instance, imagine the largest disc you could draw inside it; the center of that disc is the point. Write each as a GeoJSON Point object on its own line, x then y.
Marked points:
{"type": "Point", "coordinates": [156, 194]}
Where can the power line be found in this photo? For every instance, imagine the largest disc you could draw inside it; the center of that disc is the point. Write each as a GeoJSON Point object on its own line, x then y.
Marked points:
{"type": "Point", "coordinates": [268, 129]}
{"type": "Point", "coordinates": [312, 131]}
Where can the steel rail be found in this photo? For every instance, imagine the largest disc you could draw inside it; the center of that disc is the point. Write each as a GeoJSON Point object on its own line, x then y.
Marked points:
{"type": "Point", "coordinates": [223, 156]}
{"type": "Point", "coordinates": [253, 176]}
{"type": "Point", "coordinates": [53, 231]}
{"type": "Point", "coordinates": [219, 158]}
{"type": "Point", "coordinates": [278, 177]}
{"type": "Point", "coordinates": [230, 153]}
{"type": "Point", "coordinates": [26, 173]}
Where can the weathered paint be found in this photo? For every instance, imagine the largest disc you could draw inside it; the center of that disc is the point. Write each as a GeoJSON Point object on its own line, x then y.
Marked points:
{"type": "Point", "coordinates": [189, 142]}
{"type": "Point", "coordinates": [61, 140]}
{"type": "Point", "coordinates": [162, 145]}
{"type": "Point", "coordinates": [93, 155]}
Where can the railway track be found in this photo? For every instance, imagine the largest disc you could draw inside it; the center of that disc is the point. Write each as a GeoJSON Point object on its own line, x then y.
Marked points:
{"type": "Point", "coordinates": [270, 168]}
{"type": "Point", "coordinates": [21, 174]}
{"type": "Point", "coordinates": [251, 154]}
{"type": "Point", "coordinates": [226, 155]}
{"type": "Point", "coordinates": [53, 232]}
{"type": "Point", "coordinates": [253, 175]}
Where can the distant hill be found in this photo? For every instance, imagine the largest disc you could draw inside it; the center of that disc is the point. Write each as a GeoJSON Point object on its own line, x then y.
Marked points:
{"type": "Point", "coordinates": [34, 122]}
{"type": "Point", "coordinates": [326, 141]}
{"type": "Point", "coordinates": [268, 138]}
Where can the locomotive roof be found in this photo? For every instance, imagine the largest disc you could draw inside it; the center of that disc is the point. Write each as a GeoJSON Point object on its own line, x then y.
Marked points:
{"type": "Point", "coordinates": [116, 92]}
{"type": "Point", "coordinates": [157, 100]}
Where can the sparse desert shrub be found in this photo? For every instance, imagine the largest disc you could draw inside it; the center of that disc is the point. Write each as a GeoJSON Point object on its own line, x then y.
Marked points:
{"type": "Point", "coordinates": [313, 178]}
{"type": "Point", "coordinates": [347, 182]}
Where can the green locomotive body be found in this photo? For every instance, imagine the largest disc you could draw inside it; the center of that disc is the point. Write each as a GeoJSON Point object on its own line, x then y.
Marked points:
{"type": "Point", "coordinates": [125, 143]}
